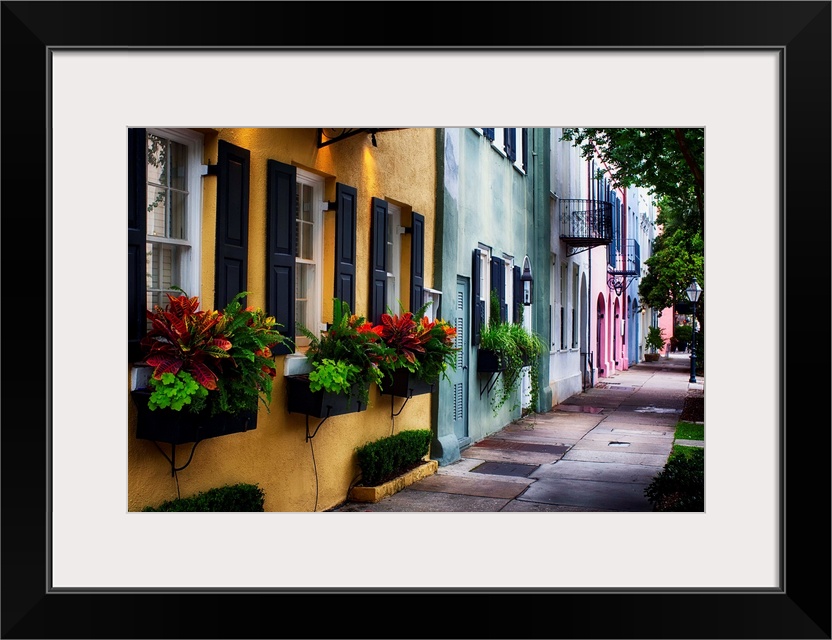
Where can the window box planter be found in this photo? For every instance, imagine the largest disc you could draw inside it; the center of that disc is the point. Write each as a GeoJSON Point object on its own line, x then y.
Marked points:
{"type": "Point", "coordinates": [488, 361]}
{"type": "Point", "coordinates": [321, 404]}
{"type": "Point", "coordinates": [179, 427]}
{"type": "Point", "coordinates": [406, 384]}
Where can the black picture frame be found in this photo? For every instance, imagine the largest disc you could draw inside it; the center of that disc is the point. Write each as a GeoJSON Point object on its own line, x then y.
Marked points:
{"type": "Point", "coordinates": [801, 609]}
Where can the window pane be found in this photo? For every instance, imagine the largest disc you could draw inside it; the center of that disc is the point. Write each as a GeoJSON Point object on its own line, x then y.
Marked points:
{"type": "Point", "coordinates": [305, 213]}
{"type": "Point", "coordinates": [163, 266]}
{"type": "Point", "coordinates": [178, 166]}
{"type": "Point", "coordinates": [156, 204]}
{"type": "Point", "coordinates": [178, 217]}
{"type": "Point", "coordinates": [304, 286]}
{"type": "Point", "coordinates": [156, 159]}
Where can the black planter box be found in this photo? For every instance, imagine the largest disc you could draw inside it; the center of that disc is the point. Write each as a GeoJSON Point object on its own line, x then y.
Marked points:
{"type": "Point", "coordinates": [488, 361]}
{"type": "Point", "coordinates": [405, 385]}
{"type": "Point", "coordinates": [321, 404]}
{"type": "Point", "coordinates": [179, 427]}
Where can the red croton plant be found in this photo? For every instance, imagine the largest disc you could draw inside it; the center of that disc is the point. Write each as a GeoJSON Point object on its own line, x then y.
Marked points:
{"type": "Point", "coordinates": [425, 347]}
{"type": "Point", "coordinates": [220, 361]}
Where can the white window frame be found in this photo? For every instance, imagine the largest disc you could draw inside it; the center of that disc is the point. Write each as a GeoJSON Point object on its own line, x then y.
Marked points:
{"type": "Point", "coordinates": [499, 141]}
{"type": "Point", "coordinates": [508, 289]}
{"type": "Point", "coordinates": [435, 298]}
{"type": "Point", "coordinates": [553, 334]}
{"type": "Point", "coordinates": [190, 246]}
{"type": "Point", "coordinates": [485, 280]}
{"type": "Point", "coordinates": [394, 249]}
{"type": "Point", "coordinates": [564, 291]}
{"type": "Point", "coordinates": [576, 275]}
{"type": "Point", "coordinates": [313, 298]}
{"type": "Point", "coordinates": [518, 151]}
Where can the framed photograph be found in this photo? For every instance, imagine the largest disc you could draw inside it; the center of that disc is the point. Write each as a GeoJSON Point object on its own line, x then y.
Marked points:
{"type": "Point", "coordinates": [77, 75]}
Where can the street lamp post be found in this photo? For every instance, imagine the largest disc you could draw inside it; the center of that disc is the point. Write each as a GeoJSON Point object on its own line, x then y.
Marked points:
{"type": "Point", "coordinates": [693, 291]}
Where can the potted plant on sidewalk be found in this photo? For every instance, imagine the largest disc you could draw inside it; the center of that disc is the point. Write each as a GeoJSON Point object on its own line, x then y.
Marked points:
{"type": "Point", "coordinates": [208, 370]}
{"type": "Point", "coordinates": [655, 342]}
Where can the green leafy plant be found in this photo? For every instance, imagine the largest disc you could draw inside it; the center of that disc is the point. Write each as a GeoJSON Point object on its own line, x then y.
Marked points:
{"type": "Point", "coordinates": [207, 360]}
{"type": "Point", "coordinates": [425, 347]}
{"type": "Point", "coordinates": [388, 457]}
{"type": "Point", "coordinates": [235, 497]}
{"type": "Point", "coordinates": [680, 486]}
{"type": "Point", "coordinates": [346, 358]}
{"type": "Point", "coordinates": [655, 339]}
{"type": "Point", "coordinates": [516, 348]}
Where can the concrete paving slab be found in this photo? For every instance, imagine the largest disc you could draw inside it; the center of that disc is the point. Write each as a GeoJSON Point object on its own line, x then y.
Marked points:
{"type": "Point", "coordinates": [609, 435]}
{"type": "Point", "coordinates": [632, 429]}
{"type": "Point", "coordinates": [503, 455]}
{"type": "Point", "coordinates": [647, 459]}
{"type": "Point", "coordinates": [691, 443]}
{"type": "Point", "coordinates": [611, 496]}
{"type": "Point", "coordinates": [636, 419]}
{"type": "Point", "coordinates": [483, 485]}
{"type": "Point", "coordinates": [598, 471]}
{"type": "Point", "coordinates": [531, 437]}
{"type": "Point", "coordinates": [625, 446]}
{"type": "Point", "coordinates": [411, 499]}
{"type": "Point", "coordinates": [526, 506]}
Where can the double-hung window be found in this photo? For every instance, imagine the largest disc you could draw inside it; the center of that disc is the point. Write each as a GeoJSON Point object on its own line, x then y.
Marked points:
{"type": "Point", "coordinates": [308, 254]}
{"type": "Point", "coordinates": [485, 283]}
{"type": "Point", "coordinates": [173, 220]}
{"type": "Point", "coordinates": [393, 260]}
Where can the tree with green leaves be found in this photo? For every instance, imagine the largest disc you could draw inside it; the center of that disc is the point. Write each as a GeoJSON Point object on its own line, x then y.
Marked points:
{"type": "Point", "coordinates": [670, 164]}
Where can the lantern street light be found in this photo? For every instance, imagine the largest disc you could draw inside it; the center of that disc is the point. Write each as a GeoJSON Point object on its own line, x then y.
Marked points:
{"type": "Point", "coordinates": [693, 291]}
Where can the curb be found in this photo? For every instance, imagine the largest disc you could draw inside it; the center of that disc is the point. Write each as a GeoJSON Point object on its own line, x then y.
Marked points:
{"type": "Point", "coordinates": [376, 493]}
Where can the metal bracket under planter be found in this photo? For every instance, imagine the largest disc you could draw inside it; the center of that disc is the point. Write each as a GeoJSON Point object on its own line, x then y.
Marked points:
{"type": "Point", "coordinates": [183, 427]}
{"type": "Point", "coordinates": [320, 404]}
{"type": "Point", "coordinates": [405, 385]}
{"type": "Point", "coordinates": [488, 362]}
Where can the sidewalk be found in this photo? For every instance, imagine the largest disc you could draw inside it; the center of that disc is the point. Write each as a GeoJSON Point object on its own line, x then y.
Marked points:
{"type": "Point", "coordinates": [597, 451]}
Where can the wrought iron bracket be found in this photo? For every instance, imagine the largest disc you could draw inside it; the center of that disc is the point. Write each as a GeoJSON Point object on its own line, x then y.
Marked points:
{"type": "Point", "coordinates": [489, 384]}
{"type": "Point", "coordinates": [312, 435]}
{"type": "Point", "coordinates": [172, 457]}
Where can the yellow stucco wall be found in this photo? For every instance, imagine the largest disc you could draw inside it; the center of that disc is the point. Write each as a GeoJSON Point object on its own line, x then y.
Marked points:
{"type": "Point", "coordinates": [296, 475]}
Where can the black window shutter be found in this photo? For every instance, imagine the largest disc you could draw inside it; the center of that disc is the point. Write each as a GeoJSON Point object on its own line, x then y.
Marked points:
{"type": "Point", "coordinates": [498, 284]}
{"type": "Point", "coordinates": [345, 218]}
{"type": "Point", "coordinates": [136, 239]}
{"type": "Point", "coordinates": [488, 133]}
{"type": "Point", "coordinates": [518, 293]}
{"type": "Point", "coordinates": [510, 136]}
{"type": "Point", "coordinates": [281, 201]}
{"type": "Point", "coordinates": [476, 303]}
{"type": "Point", "coordinates": [524, 133]}
{"type": "Point", "coordinates": [378, 261]}
{"type": "Point", "coordinates": [232, 222]}
{"type": "Point", "coordinates": [417, 262]}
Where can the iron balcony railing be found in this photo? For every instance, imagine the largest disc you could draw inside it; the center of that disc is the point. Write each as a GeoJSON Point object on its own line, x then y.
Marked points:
{"type": "Point", "coordinates": [626, 263]}
{"type": "Point", "coordinates": [585, 223]}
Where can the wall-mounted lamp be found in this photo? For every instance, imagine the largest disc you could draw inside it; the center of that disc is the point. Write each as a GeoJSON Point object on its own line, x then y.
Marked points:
{"type": "Point", "coordinates": [527, 281]}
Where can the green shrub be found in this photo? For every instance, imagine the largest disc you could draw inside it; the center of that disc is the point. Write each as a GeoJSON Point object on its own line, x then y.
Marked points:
{"type": "Point", "coordinates": [236, 497]}
{"type": "Point", "coordinates": [680, 486]}
{"type": "Point", "coordinates": [390, 456]}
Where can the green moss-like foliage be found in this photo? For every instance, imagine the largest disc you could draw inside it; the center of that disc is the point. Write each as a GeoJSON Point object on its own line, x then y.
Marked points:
{"type": "Point", "coordinates": [236, 497]}
{"type": "Point", "coordinates": [680, 486]}
{"type": "Point", "coordinates": [388, 457]}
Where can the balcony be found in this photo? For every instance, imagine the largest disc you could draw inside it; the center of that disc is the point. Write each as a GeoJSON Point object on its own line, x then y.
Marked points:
{"type": "Point", "coordinates": [622, 264]}
{"type": "Point", "coordinates": [585, 224]}
{"type": "Point", "coordinates": [626, 263]}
